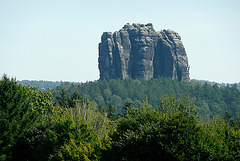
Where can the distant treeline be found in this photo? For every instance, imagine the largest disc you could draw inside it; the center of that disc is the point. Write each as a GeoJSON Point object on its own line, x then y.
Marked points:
{"type": "Point", "coordinates": [51, 84]}
{"type": "Point", "coordinates": [43, 85]}
{"type": "Point", "coordinates": [219, 84]}
{"type": "Point", "coordinates": [211, 100]}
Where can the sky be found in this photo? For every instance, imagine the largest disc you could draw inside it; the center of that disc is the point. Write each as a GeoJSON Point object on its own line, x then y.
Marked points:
{"type": "Point", "coordinates": [57, 40]}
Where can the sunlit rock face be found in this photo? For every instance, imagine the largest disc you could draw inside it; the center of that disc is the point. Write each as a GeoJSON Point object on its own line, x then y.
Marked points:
{"type": "Point", "coordinates": [138, 51]}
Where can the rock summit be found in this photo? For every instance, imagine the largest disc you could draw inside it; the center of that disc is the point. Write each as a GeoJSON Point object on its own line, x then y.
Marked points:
{"type": "Point", "coordinates": [138, 51]}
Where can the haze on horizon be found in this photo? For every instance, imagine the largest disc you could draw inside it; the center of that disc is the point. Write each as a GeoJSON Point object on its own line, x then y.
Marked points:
{"type": "Point", "coordinates": [58, 40]}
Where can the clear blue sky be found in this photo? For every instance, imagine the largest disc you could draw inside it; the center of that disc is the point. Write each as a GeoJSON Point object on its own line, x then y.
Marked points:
{"type": "Point", "coordinates": [58, 39]}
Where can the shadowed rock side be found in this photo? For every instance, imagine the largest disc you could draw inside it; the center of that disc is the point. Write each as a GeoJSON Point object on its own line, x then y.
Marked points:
{"type": "Point", "coordinates": [138, 51]}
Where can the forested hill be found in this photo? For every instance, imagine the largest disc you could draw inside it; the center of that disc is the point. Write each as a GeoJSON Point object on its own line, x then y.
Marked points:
{"type": "Point", "coordinates": [219, 84]}
{"type": "Point", "coordinates": [34, 128]}
{"type": "Point", "coordinates": [43, 85]}
{"type": "Point", "coordinates": [212, 100]}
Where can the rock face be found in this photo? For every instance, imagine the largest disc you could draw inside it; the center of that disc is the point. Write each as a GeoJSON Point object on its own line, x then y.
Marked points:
{"type": "Point", "coordinates": [138, 51]}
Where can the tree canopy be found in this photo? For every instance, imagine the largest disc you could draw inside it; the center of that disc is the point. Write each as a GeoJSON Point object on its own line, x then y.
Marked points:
{"type": "Point", "coordinates": [212, 100]}
{"type": "Point", "coordinates": [34, 127]}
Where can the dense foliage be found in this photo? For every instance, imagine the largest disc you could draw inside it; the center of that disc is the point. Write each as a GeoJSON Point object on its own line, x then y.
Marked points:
{"type": "Point", "coordinates": [212, 100]}
{"type": "Point", "coordinates": [173, 132]}
{"type": "Point", "coordinates": [33, 127]}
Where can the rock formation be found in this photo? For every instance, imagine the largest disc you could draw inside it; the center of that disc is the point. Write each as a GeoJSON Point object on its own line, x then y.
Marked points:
{"type": "Point", "coordinates": [138, 51]}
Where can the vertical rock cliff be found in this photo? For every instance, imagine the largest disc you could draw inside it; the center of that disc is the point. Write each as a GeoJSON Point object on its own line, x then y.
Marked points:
{"type": "Point", "coordinates": [138, 51]}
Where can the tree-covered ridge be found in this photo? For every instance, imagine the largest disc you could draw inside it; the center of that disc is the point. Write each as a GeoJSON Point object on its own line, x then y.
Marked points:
{"type": "Point", "coordinates": [43, 85]}
{"type": "Point", "coordinates": [219, 84]}
{"type": "Point", "coordinates": [211, 99]}
{"type": "Point", "coordinates": [33, 128]}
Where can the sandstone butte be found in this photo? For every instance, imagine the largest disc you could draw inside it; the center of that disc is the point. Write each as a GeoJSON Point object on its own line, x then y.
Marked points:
{"type": "Point", "coordinates": [138, 51]}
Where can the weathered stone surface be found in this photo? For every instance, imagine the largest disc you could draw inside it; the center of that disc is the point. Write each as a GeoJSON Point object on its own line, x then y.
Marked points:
{"type": "Point", "coordinates": [138, 51]}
